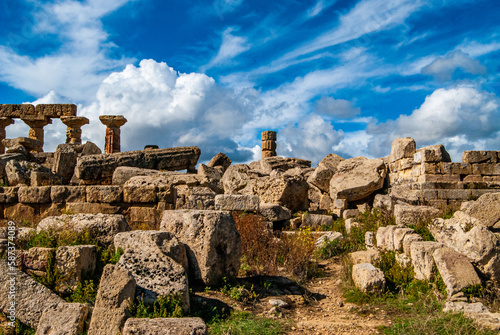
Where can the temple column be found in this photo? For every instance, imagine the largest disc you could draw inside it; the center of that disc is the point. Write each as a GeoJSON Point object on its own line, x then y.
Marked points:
{"type": "Point", "coordinates": [268, 144]}
{"type": "Point", "coordinates": [113, 124]}
{"type": "Point", "coordinates": [4, 122]}
{"type": "Point", "coordinates": [36, 124]}
{"type": "Point", "coordinates": [74, 131]}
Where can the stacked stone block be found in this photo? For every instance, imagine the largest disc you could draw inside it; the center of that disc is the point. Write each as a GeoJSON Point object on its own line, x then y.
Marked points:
{"type": "Point", "coordinates": [268, 144]}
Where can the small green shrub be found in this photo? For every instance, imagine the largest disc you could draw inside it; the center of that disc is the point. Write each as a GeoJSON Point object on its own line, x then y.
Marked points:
{"type": "Point", "coordinates": [238, 292]}
{"type": "Point", "coordinates": [397, 277]}
{"type": "Point", "coordinates": [422, 228]}
{"type": "Point", "coordinates": [85, 292]}
{"type": "Point", "coordinates": [164, 307]}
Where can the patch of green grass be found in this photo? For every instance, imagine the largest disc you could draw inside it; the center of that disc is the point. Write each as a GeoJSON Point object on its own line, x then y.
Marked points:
{"type": "Point", "coordinates": [164, 307]}
{"type": "Point", "coordinates": [85, 292]}
{"type": "Point", "coordinates": [422, 229]}
{"type": "Point", "coordinates": [245, 323]}
{"type": "Point", "coordinates": [397, 277]}
{"type": "Point", "coordinates": [243, 293]}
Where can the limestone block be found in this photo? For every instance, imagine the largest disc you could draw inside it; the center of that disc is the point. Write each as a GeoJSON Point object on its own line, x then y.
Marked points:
{"type": "Point", "coordinates": [35, 260]}
{"type": "Point", "coordinates": [324, 172]}
{"type": "Point", "coordinates": [189, 197]}
{"type": "Point", "coordinates": [402, 148]}
{"type": "Point", "coordinates": [104, 194]}
{"type": "Point", "coordinates": [455, 269]}
{"type": "Point", "coordinates": [72, 262]}
{"type": "Point", "coordinates": [403, 260]}
{"type": "Point", "coordinates": [486, 209]}
{"type": "Point", "coordinates": [124, 173]}
{"type": "Point", "coordinates": [269, 164]}
{"type": "Point", "coordinates": [429, 178]}
{"type": "Point", "coordinates": [65, 159]}
{"type": "Point", "coordinates": [383, 202]}
{"type": "Point", "coordinates": [220, 160]}
{"type": "Point", "coordinates": [234, 202]}
{"type": "Point", "coordinates": [84, 207]}
{"type": "Point", "coordinates": [149, 189]}
{"type": "Point", "coordinates": [275, 212]}
{"type": "Point", "coordinates": [105, 226]}
{"type": "Point", "coordinates": [20, 212]}
{"type": "Point", "coordinates": [399, 236]}
{"type": "Point", "coordinates": [421, 258]}
{"type": "Point", "coordinates": [55, 110]}
{"type": "Point", "coordinates": [433, 153]}
{"type": "Point", "coordinates": [158, 241]}
{"type": "Point", "coordinates": [116, 293]}
{"type": "Point", "coordinates": [214, 243]}
{"type": "Point", "coordinates": [370, 239]}
{"type": "Point", "coordinates": [472, 157]}
{"type": "Point", "coordinates": [350, 213]}
{"type": "Point", "coordinates": [327, 237]}
{"type": "Point", "coordinates": [28, 143]}
{"type": "Point", "coordinates": [62, 194]}
{"type": "Point", "coordinates": [455, 168]}
{"type": "Point", "coordinates": [143, 215]}
{"type": "Point", "coordinates": [156, 275]}
{"type": "Point", "coordinates": [235, 178]}
{"type": "Point", "coordinates": [316, 220]}
{"type": "Point", "coordinates": [385, 238]}
{"type": "Point", "coordinates": [8, 195]}
{"type": "Point", "coordinates": [350, 224]}
{"type": "Point", "coordinates": [211, 177]}
{"type": "Point", "coordinates": [357, 178]}
{"type": "Point", "coordinates": [368, 278]}
{"type": "Point", "coordinates": [16, 110]}
{"type": "Point", "coordinates": [32, 298]}
{"type": "Point", "coordinates": [180, 326]}
{"type": "Point", "coordinates": [402, 164]}
{"type": "Point", "coordinates": [364, 256]}
{"type": "Point", "coordinates": [410, 215]}
{"type": "Point", "coordinates": [64, 319]}
{"type": "Point", "coordinates": [34, 195]}
{"type": "Point", "coordinates": [325, 202]}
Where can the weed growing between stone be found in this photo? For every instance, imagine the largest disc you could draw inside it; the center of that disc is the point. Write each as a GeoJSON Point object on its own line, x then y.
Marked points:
{"type": "Point", "coordinates": [245, 323]}
{"type": "Point", "coordinates": [164, 307]}
{"type": "Point", "coordinates": [422, 228]}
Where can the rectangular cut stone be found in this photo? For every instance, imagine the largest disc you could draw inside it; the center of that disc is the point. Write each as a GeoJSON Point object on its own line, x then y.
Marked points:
{"type": "Point", "coordinates": [34, 195]}
{"type": "Point", "coordinates": [436, 178]}
{"type": "Point", "coordinates": [55, 110]}
{"type": "Point", "coordinates": [65, 318]}
{"type": "Point", "coordinates": [83, 207]}
{"type": "Point", "coordinates": [454, 194]}
{"type": "Point", "coordinates": [104, 194]}
{"type": "Point", "coordinates": [473, 178]}
{"type": "Point", "coordinates": [16, 111]}
{"type": "Point", "coordinates": [430, 168]}
{"type": "Point", "coordinates": [455, 168]}
{"type": "Point", "coordinates": [96, 167]}
{"type": "Point", "coordinates": [62, 194]}
{"type": "Point", "coordinates": [480, 156]}
{"type": "Point", "coordinates": [401, 164]}
{"type": "Point", "coordinates": [422, 259]}
{"type": "Point", "coordinates": [230, 202]}
{"type": "Point", "coordinates": [8, 195]}
{"type": "Point", "coordinates": [491, 179]}
{"type": "Point", "coordinates": [136, 195]}
{"type": "Point", "coordinates": [268, 136]}
{"type": "Point", "coordinates": [486, 169]}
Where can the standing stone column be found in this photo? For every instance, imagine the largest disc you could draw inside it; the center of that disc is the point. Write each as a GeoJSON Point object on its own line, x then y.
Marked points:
{"type": "Point", "coordinates": [268, 144]}
{"type": "Point", "coordinates": [113, 124]}
{"type": "Point", "coordinates": [4, 122]}
{"type": "Point", "coordinates": [36, 124]}
{"type": "Point", "coordinates": [74, 131]}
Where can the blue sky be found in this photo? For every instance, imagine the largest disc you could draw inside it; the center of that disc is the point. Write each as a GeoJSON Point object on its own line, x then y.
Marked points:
{"type": "Point", "coordinates": [330, 76]}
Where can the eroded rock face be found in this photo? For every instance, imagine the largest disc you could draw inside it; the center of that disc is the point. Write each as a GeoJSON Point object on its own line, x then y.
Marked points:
{"type": "Point", "coordinates": [156, 275]}
{"type": "Point", "coordinates": [220, 160]}
{"type": "Point", "coordinates": [324, 172]}
{"type": "Point", "coordinates": [170, 326]}
{"type": "Point", "coordinates": [421, 258]}
{"type": "Point", "coordinates": [214, 243]}
{"type": "Point", "coordinates": [235, 202]}
{"type": "Point", "coordinates": [486, 209]}
{"type": "Point", "coordinates": [402, 148]}
{"type": "Point", "coordinates": [356, 178]}
{"type": "Point", "coordinates": [368, 278]}
{"type": "Point", "coordinates": [72, 262]}
{"type": "Point", "coordinates": [63, 319]}
{"type": "Point", "coordinates": [411, 215]}
{"type": "Point", "coordinates": [116, 293]}
{"type": "Point", "coordinates": [105, 226]}
{"type": "Point", "coordinates": [463, 233]}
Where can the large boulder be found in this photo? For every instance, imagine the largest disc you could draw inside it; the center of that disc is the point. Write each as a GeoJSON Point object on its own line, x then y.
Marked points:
{"type": "Point", "coordinates": [114, 297]}
{"type": "Point", "coordinates": [214, 243]}
{"type": "Point", "coordinates": [486, 209]}
{"type": "Point", "coordinates": [156, 275]}
{"type": "Point", "coordinates": [104, 226]}
{"type": "Point", "coordinates": [324, 172]}
{"type": "Point", "coordinates": [368, 278]}
{"type": "Point", "coordinates": [464, 234]}
{"type": "Point", "coordinates": [357, 178]}
{"type": "Point", "coordinates": [170, 326]}
{"type": "Point", "coordinates": [402, 148]}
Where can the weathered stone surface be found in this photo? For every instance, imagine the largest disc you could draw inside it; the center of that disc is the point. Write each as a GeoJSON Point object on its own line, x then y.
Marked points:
{"type": "Point", "coordinates": [19, 172]}
{"type": "Point", "coordinates": [408, 239]}
{"type": "Point", "coordinates": [235, 202]}
{"type": "Point", "coordinates": [181, 326]}
{"type": "Point", "coordinates": [55, 110]}
{"type": "Point", "coordinates": [235, 178]}
{"type": "Point", "coordinates": [399, 235]}
{"type": "Point", "coordinates": [402, 148]}
{"type": "Point", "coordinates": [35, 260]}
{"type": "Point", "coordinates": [324, 172]}
{"type": "Point", "coordinates": [455, 269]}
{"type": "Point", "coordinates": [156, 275]}
{"type": "Point", "coordinates": [411, 215]}
{"type": "Point", "coordinates": [385, 238]}
{"type": "Point", "coordinates": [472, 157]}
{"type": "Point", "coordinates": [16, 110]}
{"type": "Point", "coordinates": [211, 177]}
{"type": "Point", "coordinates": [34, 195]}
{"type": "Point", "coordinates": [477, 312]}
{"type": "Point", "coordinates": [62, 194]}
{"type": "Point", "coordinates": [116, 293]}
{"type": "Point", "coordinates": [65, 159]}
{"type": "Point", "coordinates": [72, 262]}
{"type": "Point", "coordinates": [214, 243]}
{"type": "Point", "coordinates": [63, 319]}
{"type": "Point", "coordinates": [368, 278]}
{"type": "Point", "coordinates": [268, 164]}
{"type": "Point", "coordinates": [194, 198]}
{"type": "Point", "coordinates": [89, 148]}
{"type": "Point", "coordinates": [370, 240]}
{"type": "Point", "coordinates": [32, 298]}
{"type": "Point", "coordinates": [421, 258]}
{"type": "Point", "coordinates": [106, 194]}
{"type": "Point", "coordinates": [160, 241]}
{"type": "Point", "coordinates": [357, 178]}
{"type": "Point", "coordinates": [8, 157]}
{"type": "Point", "coordinates": [8, 195]}
{"type": "Point", "coordinates": [275, 212]}
{"type": "Point", "coordinates": [123, 173]}
{"type": "Point", "coordinates": [327, 237]}
{"type": "Point", "coordinates": [105, 226]}
{"type": "Point", "coordinates": [26, 142]}
{"type": "Point", "coordinates": [465, 235]}
{"type": "Point", "coordinates": [20, 212]}
{"type": "Point", "coordinates": [432, 153]}
{"type": "Point", "coordinates": [350, 213]}
{"type": "Point", "coordinates": [384, 203]}
{"type": "Point", "coordinates": [364, 256]}
{"type": "Point", "coordinates": [350, 224]}
{"type": "Point", "coordinates": [486, 209]}
{"type": "Point", "coordinates": [149, 189]}
{"type": "Point", "coordinates": [139, 217]}
{"type": "Point", "coordinates": [220, 160]}
{"type": "Point", "coordinates": [316, 220]}
{"type": "Point", "coordinates": [95, 167]}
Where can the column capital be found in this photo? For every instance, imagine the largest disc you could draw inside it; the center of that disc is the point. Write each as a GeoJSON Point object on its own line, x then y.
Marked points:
{"type": "Point", "coordinates": [112, 121]}
{"type": "Point", "coordinates": [36, 121]}
{"type": "Point", "coordinates": [74, 121]}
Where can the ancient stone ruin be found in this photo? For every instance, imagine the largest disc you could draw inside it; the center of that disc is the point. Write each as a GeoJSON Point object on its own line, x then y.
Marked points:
{"type": "Point", "coordinates": [176, 228]}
